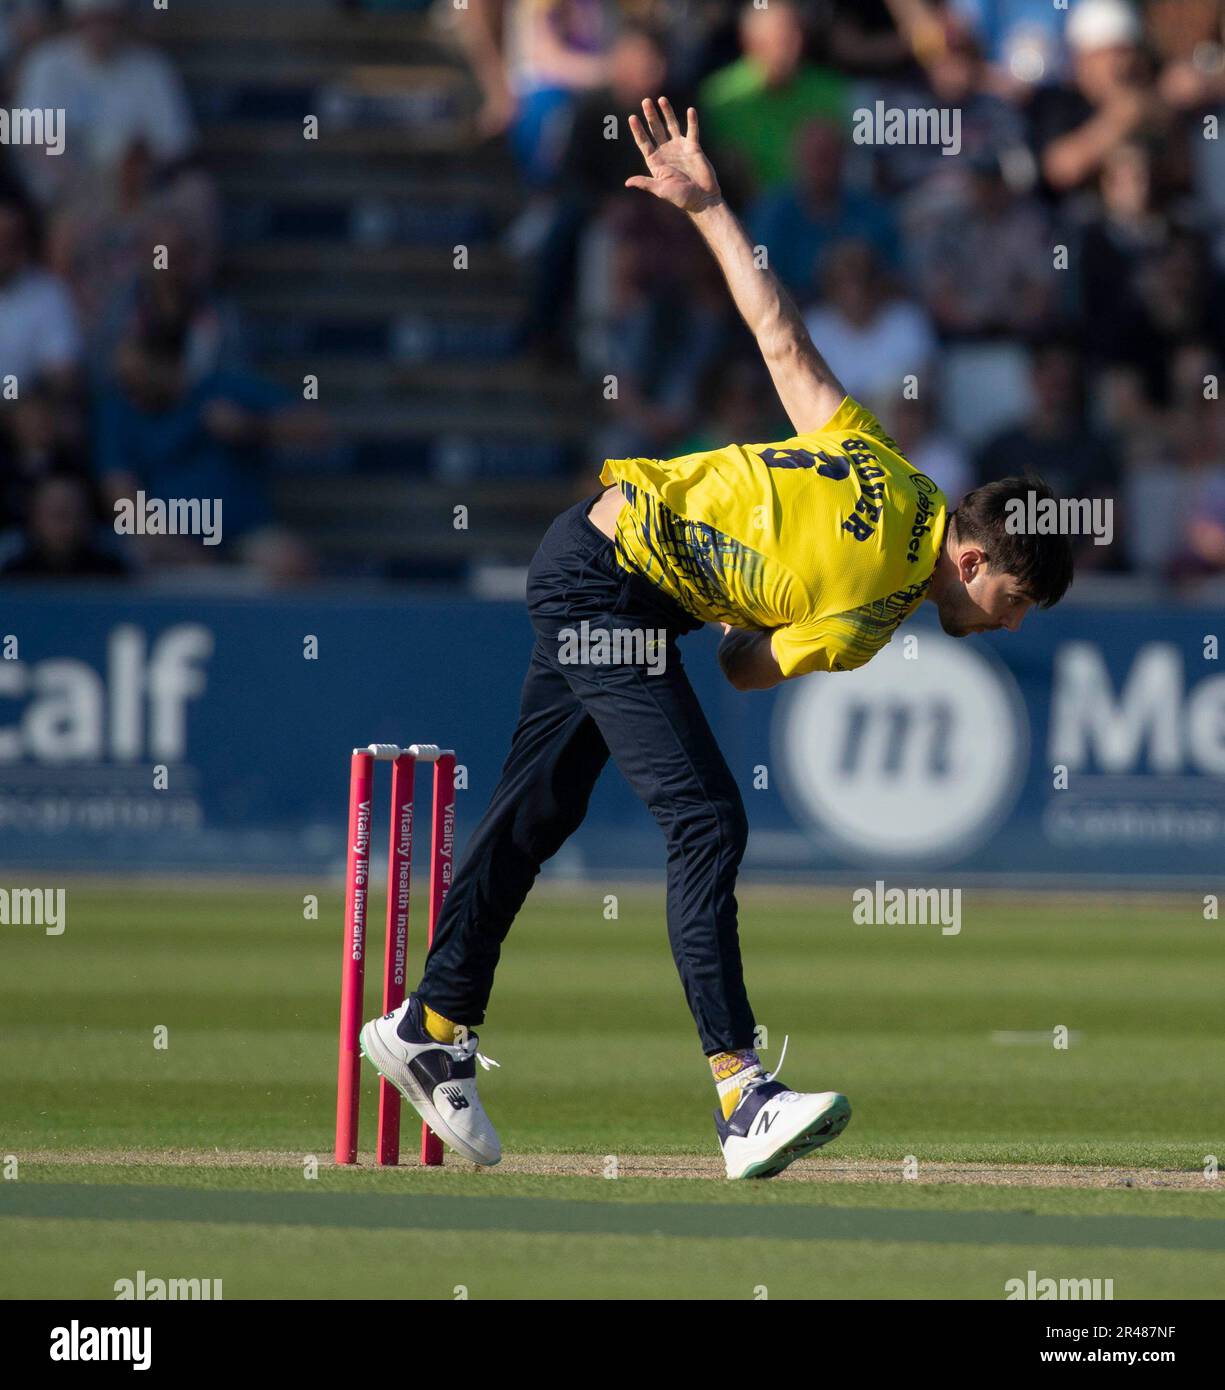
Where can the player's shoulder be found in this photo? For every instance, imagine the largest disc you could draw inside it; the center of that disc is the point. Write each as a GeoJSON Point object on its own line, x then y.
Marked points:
{"type": "Point", "coordinates": [853, 418]}
{"type": "Point", "coordinates": [853, 422]}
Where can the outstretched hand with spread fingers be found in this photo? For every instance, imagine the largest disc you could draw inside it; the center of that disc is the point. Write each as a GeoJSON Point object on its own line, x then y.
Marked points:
{"type": "Point", "coordinates": [680, 173]}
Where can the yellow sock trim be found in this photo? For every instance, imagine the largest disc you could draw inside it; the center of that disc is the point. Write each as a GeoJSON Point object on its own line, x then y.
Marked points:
{"type": "Point", "coordinates": [726, 1067]}
{"type": "Point", "coordinates": [440, 1029]}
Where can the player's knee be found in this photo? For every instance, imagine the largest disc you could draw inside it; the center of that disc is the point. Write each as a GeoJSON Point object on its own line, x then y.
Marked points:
{"type": "Point", "coordinates": [546, 839]}
{"type": "Point", "coordinates": [735, 824]}
{"type": "Point", "coordinates": [718, 826]}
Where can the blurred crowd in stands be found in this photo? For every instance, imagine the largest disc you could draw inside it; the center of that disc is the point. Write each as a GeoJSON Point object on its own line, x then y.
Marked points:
{"type": "Point", "coordinates": [1049, 299]}
{"type": "Point", "coordinates": [121, 369]}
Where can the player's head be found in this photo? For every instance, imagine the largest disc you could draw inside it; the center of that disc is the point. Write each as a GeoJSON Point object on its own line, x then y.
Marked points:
{"type": "Point", "coordinates": [993, 569]}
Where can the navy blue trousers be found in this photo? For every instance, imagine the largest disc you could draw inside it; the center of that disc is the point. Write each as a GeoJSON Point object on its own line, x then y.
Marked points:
{"type": "Point", "coordinates": [574, 714]}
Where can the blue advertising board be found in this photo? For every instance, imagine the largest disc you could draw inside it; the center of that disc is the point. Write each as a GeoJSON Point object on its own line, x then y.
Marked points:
{"type": "Point", "coordinates": [145, 732]}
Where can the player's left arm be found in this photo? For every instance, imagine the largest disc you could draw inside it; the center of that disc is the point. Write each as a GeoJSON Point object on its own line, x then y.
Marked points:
{"type": "Point", "coordinates": [747, 659]}
{"type": "Point", "coordinates": [681, 174]}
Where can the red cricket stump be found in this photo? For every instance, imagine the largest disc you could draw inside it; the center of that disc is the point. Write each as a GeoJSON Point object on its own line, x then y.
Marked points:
{"type": "Point", "coordinates": [395, 963]}
{"type": "Point", "coordinates": [353, 971]}
{"type": "Point", "coordinates": [357, 905]}
{"type": "Point", "coordinates": [442, 871]}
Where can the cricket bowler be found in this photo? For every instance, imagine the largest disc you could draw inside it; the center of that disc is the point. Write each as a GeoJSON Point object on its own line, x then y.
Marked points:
{"type": "Point", "coordinates": [809, 552]}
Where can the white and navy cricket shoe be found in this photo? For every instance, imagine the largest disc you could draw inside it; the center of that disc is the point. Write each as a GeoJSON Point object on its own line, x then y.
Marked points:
{"type": "Point", "coordinates": [773, 1126]}
{"type": "Point", "coordinates": [437, 1079]}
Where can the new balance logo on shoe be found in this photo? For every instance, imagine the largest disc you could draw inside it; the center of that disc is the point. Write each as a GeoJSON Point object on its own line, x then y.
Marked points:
{"type": "Point", "coordinates": [458, 1100]}
{"type": "Point", "coordinates": [764, 1121]}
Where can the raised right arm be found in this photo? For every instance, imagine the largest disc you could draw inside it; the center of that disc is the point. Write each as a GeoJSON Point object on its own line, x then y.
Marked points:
{"type": "Point", "coordinates": [808, 389]}
{"type": "Point", "coordinates": [681, 174]}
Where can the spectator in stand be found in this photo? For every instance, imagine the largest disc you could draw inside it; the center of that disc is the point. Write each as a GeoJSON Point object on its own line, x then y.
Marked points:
{"type": "Point", "coordinates": [557, 50]}
{"type": "Point", "coordinates": [1148, 286]}
{"type": "Point", "coordinates": [58, 539]}
{"type": "Point", "coordinates": [953, 76]}
{"type": "Point", "coordinates": [698, 38]}
{"type": "Point", "coordinates": [160, 431]}
{"type": "Point", "coordinates": [1120, 246]}
{"type": "Point", "coordinates": [102, 245]}
{"type": "Point", "coordinates": [864, 38]}
{"type": "Point", "coordinates": [592, 177]}
{"type": "Point", "coordinates": [958, 77]}
{"type": "Point", "coordinates": [533, 60]}
{"type": "Point", "coordinates": [1183, 298]}
{"type": "Point", "coordinates": [1200, 424]}
{"type": "Point", "coordinates": [40, 339]}
{"type": "Point", "coordinates": [665, 323]}
{"type": "Point", "coordinates": [1057, 441]}
{"type": "Point", "coordinates": [668, 323]}
{"type": "Point", "coordinates": [1176, 469]}
{"type": "Point", "coordinates": [179, 301]}
{"type": "Point", "coordinates": [1022, 39]}
{"type": "Point", "coordinates": [1187, 38]}
{"type": "Point", "coordinates": [753, 110]}
{"type": "Point", "coordinates": [871, 338]}
{"type": "Point", "coordinates": [33, 445]}
{"type": "Point", "coordinates": [800, 221]}
{"type": "Point", "coordinates": [113, 89]}
{"type": "Point", "coordinates": [1113, 99]}
{"type": "Point", "coordinates": [1201, 552]}
{"type": "Point", "coordinates": [1166, 452]}
{"type": "Point", "coordinates": [981, 257]}
{"type": "Point", "coordinates": [593, 165]}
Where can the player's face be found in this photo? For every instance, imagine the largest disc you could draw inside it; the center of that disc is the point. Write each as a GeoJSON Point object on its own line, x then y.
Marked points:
{"type": "Point", "coordinates": [984, 601]}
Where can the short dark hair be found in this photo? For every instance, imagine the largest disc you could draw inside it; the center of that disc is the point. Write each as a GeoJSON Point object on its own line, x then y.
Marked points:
{"type": "Point", "coordinates": [1041, 564]}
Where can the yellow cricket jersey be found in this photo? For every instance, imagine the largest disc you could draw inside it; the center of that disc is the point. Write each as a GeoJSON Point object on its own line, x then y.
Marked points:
{"type": "Point", "coordinates": [827, 539]}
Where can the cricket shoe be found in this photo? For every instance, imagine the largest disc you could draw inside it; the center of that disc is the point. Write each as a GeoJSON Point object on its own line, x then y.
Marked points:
{"type": "Point", "coordinates": [772, 1126]}
{"type": "Point", "coordinates": [437, 1079]}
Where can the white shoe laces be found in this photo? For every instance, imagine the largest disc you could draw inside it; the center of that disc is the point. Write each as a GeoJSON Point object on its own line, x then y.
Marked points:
{"type": "Point", "coordinates": [770, 1075]}
{"type": "Point", "coordinates": [782, 1056]}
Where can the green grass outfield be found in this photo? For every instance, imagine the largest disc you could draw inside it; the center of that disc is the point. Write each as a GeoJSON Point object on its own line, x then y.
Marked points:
{"type": "Point", "coordinates": [941, 1042]}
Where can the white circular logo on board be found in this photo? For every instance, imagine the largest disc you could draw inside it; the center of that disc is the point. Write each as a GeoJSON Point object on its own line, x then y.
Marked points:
{"type": "Point", "coordinates": [918, 759]}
